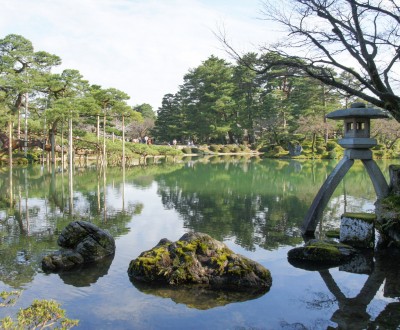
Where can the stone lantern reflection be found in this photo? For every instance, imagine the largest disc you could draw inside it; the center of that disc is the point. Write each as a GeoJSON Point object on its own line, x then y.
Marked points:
{"type": "Point", "coordinates": [357, 143]}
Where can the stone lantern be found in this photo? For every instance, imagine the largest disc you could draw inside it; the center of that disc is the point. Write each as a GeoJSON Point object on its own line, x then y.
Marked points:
{"type": "Point", "coordinates": [357, 143]}
{"type": "Point", "coordinates": [357, 124]}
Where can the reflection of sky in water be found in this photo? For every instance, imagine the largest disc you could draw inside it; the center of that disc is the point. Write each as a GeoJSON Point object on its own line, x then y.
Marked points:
{"type": "Point", "coordinates": [297, 299]}
{"type": "Point", "coordinates": [352, 204]}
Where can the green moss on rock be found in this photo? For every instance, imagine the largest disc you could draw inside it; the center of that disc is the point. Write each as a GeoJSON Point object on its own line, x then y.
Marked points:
{"type": "Point", "coordinates": [197, 258]}
{"type": "Point", "coordinates": [322, 252]}
{"type": "Point", "coordinates": [367, 217]}
{"type": "Point", "coordinates": [334, 233]}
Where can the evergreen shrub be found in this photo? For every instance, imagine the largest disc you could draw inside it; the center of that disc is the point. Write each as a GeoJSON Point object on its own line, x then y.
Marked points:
{"type": "Point", "coordinates": [196, 151]}
{"type": "Point", "coordinates": [332, 154]}
{"type": "Point", "coordinates": [320, 150]}
{"type": "Point", "coordinates": [330, 145]}
{"type": "Point", "coordinates": [379, 154]}
{"type": "Point", "coordinates": [187, 150]}
{"type": "Point", "coordinates": [214, 147]}
{"type": "Point", "coordinates": [225, 149]}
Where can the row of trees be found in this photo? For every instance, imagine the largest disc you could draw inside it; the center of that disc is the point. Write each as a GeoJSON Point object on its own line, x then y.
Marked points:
{"type": "Point", "coordinates": [334, 51]}
{"type": "Point", "coordinates": [35, 99]}
{"type": "Point", "coordinates": [219, 102]}
{"type": "Point", "coordinates": [267, 97]}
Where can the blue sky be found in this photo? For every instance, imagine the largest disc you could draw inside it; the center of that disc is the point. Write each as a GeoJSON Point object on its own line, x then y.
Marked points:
{"type": "Point", "coordinates": [142, 47]}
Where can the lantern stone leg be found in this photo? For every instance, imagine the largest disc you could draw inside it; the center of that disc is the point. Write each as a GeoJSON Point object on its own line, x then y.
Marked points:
{"type": "Point", "coordinates": [357, 143]}
{"type": "Point", "coordinates": [314, 214]}
{"type": "Point", "coordinates": [378, 180]}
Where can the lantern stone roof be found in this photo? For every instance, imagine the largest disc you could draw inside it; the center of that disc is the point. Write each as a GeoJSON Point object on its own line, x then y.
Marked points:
{"type": "Point", "coordinates": [357, 110]}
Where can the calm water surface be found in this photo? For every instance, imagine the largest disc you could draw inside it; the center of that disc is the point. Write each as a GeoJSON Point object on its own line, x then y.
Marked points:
{"type": "Point", "coordinates": [255, 206]}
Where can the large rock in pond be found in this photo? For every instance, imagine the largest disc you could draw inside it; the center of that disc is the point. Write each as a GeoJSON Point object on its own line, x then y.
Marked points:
{"type": "Point", "coordinates": [197, 258]}
{"type": "Point", "coordinates": [316, 254]}
{"type": "Point", "coordinates": [82, 243]}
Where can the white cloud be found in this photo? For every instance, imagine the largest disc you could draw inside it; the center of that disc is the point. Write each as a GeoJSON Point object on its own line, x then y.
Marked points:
{"type": "Point", "coordinates": [142, 47]}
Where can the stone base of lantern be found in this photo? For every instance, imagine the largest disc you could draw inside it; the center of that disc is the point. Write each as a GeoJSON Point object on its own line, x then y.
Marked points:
{"type": "Point", "coordinates": [358, 229]}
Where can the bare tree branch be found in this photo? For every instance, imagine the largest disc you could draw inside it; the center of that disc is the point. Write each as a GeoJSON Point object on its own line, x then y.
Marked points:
{"type": "Point", "coordinates": [359, 37]}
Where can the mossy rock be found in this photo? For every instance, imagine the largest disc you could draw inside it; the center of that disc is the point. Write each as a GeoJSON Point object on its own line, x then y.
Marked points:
{"type": "Point", "coordinates": [367, 217]}
{"type": "Point", "coordinates": [197, 258]}
{"type": "Point", "coordinates": [321, 253]}
{"type": "Point", "coordinates": [333, 233]}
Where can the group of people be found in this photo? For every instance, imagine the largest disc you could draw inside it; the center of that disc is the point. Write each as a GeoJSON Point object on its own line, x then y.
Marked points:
{"type": "Point", "coordinates": [145, 140]}
{"type": "Point", "coordinates": [174, 143]}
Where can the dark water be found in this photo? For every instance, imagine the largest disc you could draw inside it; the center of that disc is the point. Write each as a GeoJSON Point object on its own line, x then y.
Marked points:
{"type": "Point", "coordinates": [255, 206]}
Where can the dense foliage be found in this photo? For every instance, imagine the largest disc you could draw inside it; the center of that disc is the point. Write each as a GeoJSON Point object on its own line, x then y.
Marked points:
{"type": "Point", "coordinates": [221, 103]}
{"type": "Point", "coordinates": [39, 104]}
{"type": "Point", "coordinates": [218, 103]}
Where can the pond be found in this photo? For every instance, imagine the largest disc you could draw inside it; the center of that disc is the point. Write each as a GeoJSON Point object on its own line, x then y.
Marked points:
{"type": "Point", "coordinates": [255, 206]}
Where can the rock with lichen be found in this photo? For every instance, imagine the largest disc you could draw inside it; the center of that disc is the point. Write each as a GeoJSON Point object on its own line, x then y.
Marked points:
{"type": "Point", "coordinates": [81, 242]}
{"type": "Point", "coordinates": [197, 258]}
{"type": "Point", "coordinates": [327, 253]}
{"type": "Point", "coordinates": [358, 229]}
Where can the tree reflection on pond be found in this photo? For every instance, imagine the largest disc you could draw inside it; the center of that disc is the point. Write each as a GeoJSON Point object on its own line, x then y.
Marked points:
{"type": "Point", "coordinates": [255, 206]}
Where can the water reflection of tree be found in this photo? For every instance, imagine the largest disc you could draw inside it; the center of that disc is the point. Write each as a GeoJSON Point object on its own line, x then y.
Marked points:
{"type": "Point", "coordinates": [31, 224]}
{"type": "Point", "coordinates": [259, 203]}
{"type": "Point", "coordinates": [252, 202]}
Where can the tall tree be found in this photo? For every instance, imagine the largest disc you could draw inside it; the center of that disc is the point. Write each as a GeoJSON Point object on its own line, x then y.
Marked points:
{"type": "Point", "coordinates": [146, 110]}
{"type": "Point", "coordinates": [247, 98]}
{"type": "Point", "coordinates": [208, 94]}
{"type": "Point", "coordinates": [21, 70]}
{"type": "Point", "coordinates": [68, 97]}
{"type": "Point", "coordinates": [172, 121]}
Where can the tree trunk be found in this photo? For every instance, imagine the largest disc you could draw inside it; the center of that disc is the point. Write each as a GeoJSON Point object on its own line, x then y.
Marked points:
{"type": "Point", "coordinates": [52, 144]}
{"type": "Point", "coordinates": [313, 142]}
{"type": "Point", "coordinates": [19, 124]}
{"type": "Point", "coordinates": [123, 142]}
{"type": "Point", "coordinates": [104, 141]}
{"type": "Point", "coordinates": [10, 146]}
